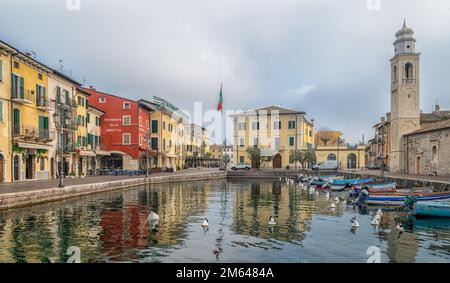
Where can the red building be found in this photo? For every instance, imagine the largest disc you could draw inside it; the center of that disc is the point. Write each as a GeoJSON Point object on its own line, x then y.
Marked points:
{"type": "Point", "coordinates": [123, 129]}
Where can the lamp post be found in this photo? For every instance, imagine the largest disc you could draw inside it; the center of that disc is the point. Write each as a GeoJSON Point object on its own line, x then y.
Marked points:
{"type": "Point", "coordinates": [147, 137]}
{"type": "Point", "coordinates": [60, 115]}
{"type": "Point", "coordinates": [383, 128]}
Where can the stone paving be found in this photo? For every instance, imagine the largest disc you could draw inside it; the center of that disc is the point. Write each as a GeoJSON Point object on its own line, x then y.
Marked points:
{"type": "Point", "coordinates": [41, 185]}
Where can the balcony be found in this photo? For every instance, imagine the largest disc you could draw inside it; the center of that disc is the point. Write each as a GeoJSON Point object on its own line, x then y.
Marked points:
{"type": "Point", "coordinates": [43, 104]}
{"type": "Point", "coordinates": [409, 81]}
{"type": "Point", "coordinates": [24, 133]}
{"type": "Point", "coordinates": [24, 98]}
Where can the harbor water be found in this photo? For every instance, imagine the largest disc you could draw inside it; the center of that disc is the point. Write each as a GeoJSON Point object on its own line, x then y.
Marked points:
{"type": "Point", "coordinates": [112, 227]}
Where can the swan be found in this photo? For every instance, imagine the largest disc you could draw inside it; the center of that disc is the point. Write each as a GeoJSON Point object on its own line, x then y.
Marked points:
{"type": "Point", "coordinates": [400, 227]}
{"type": "Point", "coordinates": [272, 221]}
{"type": "Point", "coordinates": [355, 223]}
{"type": "Point", "coordinates": [205, 223]}
{"type": "Point", "coordinates": [153, 216]}
{"type": "Point", "coordinates": [380, 212]}
{"type": "Point", "coordinates": [375, 221]}
{"type": "Point", "coordinates": [332, 206]}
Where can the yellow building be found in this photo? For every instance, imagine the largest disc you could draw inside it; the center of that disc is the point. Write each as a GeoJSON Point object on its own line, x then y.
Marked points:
{"type": "Point", "coordinates": [275, 131]}
{"type": "Point", "coordinates": [167, 135]}
{"type": "Point", "coordinates": [30, 118]}
{"type": "Point", "coordinates": [83, 154]}
{"type": "Point", "coordinates": [350, 156]}
{"type": "Point", "coordinates": [5, 113]}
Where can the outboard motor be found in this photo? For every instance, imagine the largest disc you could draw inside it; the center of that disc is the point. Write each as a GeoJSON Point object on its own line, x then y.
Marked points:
{"type": "Point", "coordinates": [362, 197]}
{"type": "Point", "coordinates": [410, 204]}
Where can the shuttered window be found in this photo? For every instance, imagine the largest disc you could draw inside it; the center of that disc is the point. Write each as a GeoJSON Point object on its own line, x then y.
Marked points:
{"type": "Point", "coordinates": [1, 71]}
{"type": "Point", "coordinates": [1, 110]}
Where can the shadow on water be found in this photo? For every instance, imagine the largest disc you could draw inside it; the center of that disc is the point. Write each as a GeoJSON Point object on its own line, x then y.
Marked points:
{"type": "Point", "coordinates": [112, 227]}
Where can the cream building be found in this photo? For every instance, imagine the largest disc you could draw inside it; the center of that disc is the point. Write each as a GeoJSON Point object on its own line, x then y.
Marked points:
{"type": "Point", "coordinates": [94, 140]}
{"type": "Point", "coordinates": [276, 131]}
{"type": "Point", "coordinates": [349, 156]}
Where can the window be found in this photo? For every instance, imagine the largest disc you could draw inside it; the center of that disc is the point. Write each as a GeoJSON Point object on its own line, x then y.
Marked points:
{"type": "Point", "coordinates": [291, 124]}
{"type": "Point", "coordinates": [126, 139]}
{"type": "Point", "coordinates": [126, 120]}
{"type": "Point", "coordinates": [154, 126]}
{"type": "Point", "coordinates": [331, 156]}
{"type": "Point", "coordinates": [255, 126]}
{"type": "Point", "coordinates": [1, 111]}
{"type": "Point", "coordinates": [164, 125]}
{"type": "Point", "coordinates": [277, 125]}
{"type": "Point", "coordinates": [18, 87]}
{"type": "Point", "coordinates": [40, 96]}
{"type": "Point", "coordinates": [277, 143]}
{"type": "Point", "coordinates": [255, 142]}
{"type": "Point", "coordinates": [310, 133]}
{"type": "Point", "coordinates": [291, 141]}
{"type": "Point", "coordinates": [241, 142]}
{"type": "Point", "coordinates": [43, 127]}
{"type": "Point", "coordinates": [241, 159]}
{"type": "Point", "coordinates": [170, 143]}
{"type": "Point", "coordinates": [154, 143]}
{"type": "Point", "coordinates": [394, 73]}
{"type": "Point", "coordinates": [102, 99]}
{"type": "Point", "coordinates": [126, 105]}
{"type": "Point", "coordinates": [16, 65]}
{"type": "Point", "coordinates": [140, 121]}
{"type": "Point", "coordinates": [1, 70]}
{"type": "Point", "coordinates": [434, 153]}
{"type": "Point", "coordinates": [88, 118]}
{"type": "Point", "coordinates": [164, 144]}
{"type": "Point", "coordinates": [241, 126]}
{"type": "Point", "coordinates": [409, 71]}
{"type": "Point", "coordinates": [40, 77]}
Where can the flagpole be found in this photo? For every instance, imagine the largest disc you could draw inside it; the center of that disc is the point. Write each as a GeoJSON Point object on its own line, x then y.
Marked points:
{"type": "Point", "coordinates": [223, 127]}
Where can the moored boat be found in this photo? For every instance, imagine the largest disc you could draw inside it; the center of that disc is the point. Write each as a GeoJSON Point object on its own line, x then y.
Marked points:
{"type": "Point", "coordinates": [352, 181]}
{"type": "Point", "coordinates": [378, 186]}
{"type": "Point", "coordinates": [433, 208]}
{"type": "Point", "coordinates": [399, 198]}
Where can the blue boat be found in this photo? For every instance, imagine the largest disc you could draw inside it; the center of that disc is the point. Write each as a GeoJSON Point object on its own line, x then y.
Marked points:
{"type": "Point", "coordinates": [352, 181]}
{"type": "Point", "coordinates": [433, 208]}
{"type": "Point", "coordinates": [399, 199]}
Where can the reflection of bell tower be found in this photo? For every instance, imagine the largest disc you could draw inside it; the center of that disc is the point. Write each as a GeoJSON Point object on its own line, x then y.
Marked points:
{"type": "Point", "coordinates": [405, 95]}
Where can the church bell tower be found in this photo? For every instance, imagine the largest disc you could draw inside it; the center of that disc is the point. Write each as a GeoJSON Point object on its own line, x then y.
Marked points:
{"type": "Point", "coordinates": [405, 95]}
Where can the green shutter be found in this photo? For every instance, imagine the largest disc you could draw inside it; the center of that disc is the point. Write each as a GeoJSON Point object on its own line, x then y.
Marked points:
{"type": "Point", "coordinates": [41, 122]}
{"type": "Point", "coordinates": [90, 139]}
{"type": "Point", "coordinates": [22, 88]}
{"type": "Point", "coordinates": [38, 94]}
{"type": "Point", "coordinates": [1, 110]}
{"type": "Point", "coordinates": [14, 86]}
{"type": "Point", "coordinates": [46, 123]}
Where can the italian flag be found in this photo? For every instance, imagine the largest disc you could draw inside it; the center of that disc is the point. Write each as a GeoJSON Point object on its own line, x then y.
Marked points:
{"type": "Point", "coordinates": [219, 105]}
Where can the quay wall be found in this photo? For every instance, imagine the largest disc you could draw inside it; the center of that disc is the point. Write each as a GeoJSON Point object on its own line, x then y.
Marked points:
{"type": "Point", "coordinates": [21, 199]}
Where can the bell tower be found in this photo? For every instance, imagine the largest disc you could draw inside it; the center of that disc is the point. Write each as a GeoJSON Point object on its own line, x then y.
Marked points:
{"type": "Point", "coordinates": [405, 95]}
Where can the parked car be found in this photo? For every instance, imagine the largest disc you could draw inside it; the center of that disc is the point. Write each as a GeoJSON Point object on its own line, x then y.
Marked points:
{"type": "Point", "coordinates": [327, 165]}
{"type": "Point", "coordinates": [374, 166]}
{"type": "Point", "coordinates": [241, 166]}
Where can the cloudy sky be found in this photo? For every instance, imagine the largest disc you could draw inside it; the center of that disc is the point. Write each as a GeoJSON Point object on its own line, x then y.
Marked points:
{"type": "Point", "coordinates": [326, 57]}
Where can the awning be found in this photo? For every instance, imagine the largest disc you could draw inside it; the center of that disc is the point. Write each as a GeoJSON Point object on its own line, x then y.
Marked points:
{"type": "Point", "coordinates": [34, 146]}
{"type": "Point", "coordinates": [102, 152]}
{"type": "Point", "coordinates": [87, 153]}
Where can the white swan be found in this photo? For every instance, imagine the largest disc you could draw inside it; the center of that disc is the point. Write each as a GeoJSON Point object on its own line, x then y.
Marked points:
{"type": "Point", "coordinates": [153, 216]}
{"type": "Point", "coordinates": [332, 206]}
{"type": "Point", "coordinates": [400, 227]}
{"type": "Point", "coordinates": [272, 221]}
{"type": "Point", "coordinates": [205, 222]}
{"type": "Point", "coordinates": [375, 221]}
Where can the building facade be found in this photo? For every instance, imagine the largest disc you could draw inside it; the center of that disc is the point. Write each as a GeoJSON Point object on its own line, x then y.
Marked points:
{"type": "Point", "coordinates": [275, 131]}
{"type": "Point", "coordinates": [349, 156]}
{"type": "Point", "coordinates": [428, 150]}
{"type": "Point", "coordinates": [94, 146]}
{"type": "Point", "coordinates": [123, 129]}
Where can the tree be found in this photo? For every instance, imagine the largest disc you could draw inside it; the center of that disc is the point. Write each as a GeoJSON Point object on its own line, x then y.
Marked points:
{"type": "Point", "coordinates": [306, 157]}
{"type": "Point", "coordinates": [295, 156]}
{"type": "Point", "coordinates": [255, 156]}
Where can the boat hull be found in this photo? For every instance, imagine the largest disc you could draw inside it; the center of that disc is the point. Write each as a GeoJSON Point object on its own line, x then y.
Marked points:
{"type": "Point", "coordinates": [400, 199]}
{"type": "Point", "coordinates": [433, 208]}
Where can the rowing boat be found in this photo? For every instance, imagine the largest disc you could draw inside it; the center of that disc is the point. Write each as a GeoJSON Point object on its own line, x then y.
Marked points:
{"type": "Point", "coordinates": [399, 198]}
{"type": "Point", "coordinates": [352, 181]}
{"type": "Point", "coordinates": [433, 208]}
{"type": "Point", "coordinates": [377, 186]}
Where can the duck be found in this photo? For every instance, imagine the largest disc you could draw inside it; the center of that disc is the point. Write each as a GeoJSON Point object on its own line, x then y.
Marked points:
{"type": "Point", "coordinates": [355, 223]}
{"type": "Point", "coordinates": [400, 227]}
{"type": "Point", "coordinates": [205, 222]}
{"type": "Point", "coordinates": [380, 212]}
{"type": "Point", "coordinates": [272, 220]}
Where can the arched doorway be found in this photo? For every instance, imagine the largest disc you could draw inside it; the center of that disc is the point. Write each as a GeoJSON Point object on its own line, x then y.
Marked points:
{"type": "Point", "coordinates": [277, 161]}
{"type": "Point", "coordinates": [2, 170]}
{"type": "Point", "coordinates": [16, 165]}
{"type": "Point", "coordinates": [351, 161]}
{"type": "Point", "coordinates": [331, 157]}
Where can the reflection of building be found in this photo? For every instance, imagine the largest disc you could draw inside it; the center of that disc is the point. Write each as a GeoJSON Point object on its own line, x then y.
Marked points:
{"type": "Point", "coordinates": [350, 156]}
{"type": "Point", "coordinates": [255, 203]}
{"type": "Point", "coordinates": [390, 142]}
{"type": "Point", "coordinates": [401, 248]}
{"type": "Point", "coordinates": [275, 131]}
{"type": "Point", "coordinates": [197, 147]}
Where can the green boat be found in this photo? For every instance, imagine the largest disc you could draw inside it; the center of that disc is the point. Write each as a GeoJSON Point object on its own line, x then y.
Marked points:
{"type": "Point", "coordinates": [433, 208]}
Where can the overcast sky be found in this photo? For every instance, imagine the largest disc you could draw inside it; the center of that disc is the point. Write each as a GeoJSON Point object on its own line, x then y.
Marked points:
{"type": "Point", "coordinates": [328, 58]}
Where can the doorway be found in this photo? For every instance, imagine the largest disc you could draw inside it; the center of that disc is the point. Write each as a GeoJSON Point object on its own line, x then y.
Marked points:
{"type": "Point", "coordinates": [277, 161]}
{"type": "Point", "coordinates": [1, 168]}
{"type": "Point", "coordinates": [29, 167]}
{"type": "Point", "coordinates": [16, 165]}
{"type": "Point", "coordinates": [418, 165]}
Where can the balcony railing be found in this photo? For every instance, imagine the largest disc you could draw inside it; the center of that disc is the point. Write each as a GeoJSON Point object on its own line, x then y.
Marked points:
{"type": "Point", "coordinates": [43, 103]}
{"type": "Point", "coordinates": [409, 81]}
{"type": "Point", "coordinates": [33, 134]}
{"type": "Point", "coordinates": [27, 97]}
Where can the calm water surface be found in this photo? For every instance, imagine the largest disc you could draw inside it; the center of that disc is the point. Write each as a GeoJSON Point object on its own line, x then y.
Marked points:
{"type": "Point", "coordinates": [111, 227]}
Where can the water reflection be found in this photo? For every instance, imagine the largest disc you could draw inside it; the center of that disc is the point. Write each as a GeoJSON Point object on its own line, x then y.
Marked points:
{"type": "Point", "coordinates": [112, 227]}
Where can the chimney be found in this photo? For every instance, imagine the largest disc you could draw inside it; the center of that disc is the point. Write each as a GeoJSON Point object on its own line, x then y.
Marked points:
{"type": "Point", "coordinates": [437, 108]}
{"type": "Point", "coordinates": [388, 116]}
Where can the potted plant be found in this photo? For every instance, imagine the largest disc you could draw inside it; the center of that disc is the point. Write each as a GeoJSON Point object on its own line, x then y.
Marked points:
{"type": "Point", "coordinates": [72, 175]}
